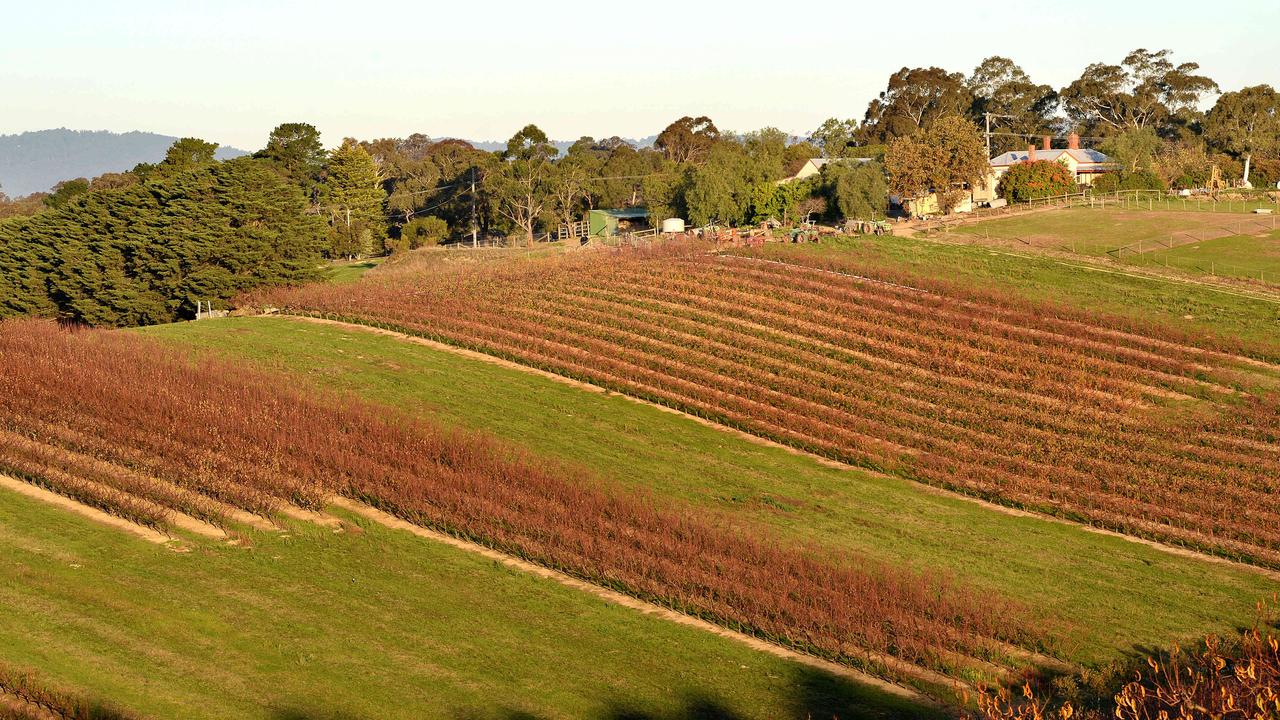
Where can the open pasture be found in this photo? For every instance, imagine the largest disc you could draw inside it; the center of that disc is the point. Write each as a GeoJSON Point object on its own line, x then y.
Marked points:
{"type": "Point", "coordinates": [1245, 257]}
{"type": "Point", "coordinates": [1097, 231]}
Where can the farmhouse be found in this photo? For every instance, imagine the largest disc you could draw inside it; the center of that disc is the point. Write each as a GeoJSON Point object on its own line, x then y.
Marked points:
{"type": "Point", "coordinates": [1085, 164]}
{"type": "Point", "coordinates": [813, 166]}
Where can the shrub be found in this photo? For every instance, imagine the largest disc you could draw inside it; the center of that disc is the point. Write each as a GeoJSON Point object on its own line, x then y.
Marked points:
{"type": "Point", "coordinates": [1106, 182]}
{"type": "Point", "coordinates": [1221, 679]}
{"type": "Point", "coordinates": [1036, 180]}
{"type": "Point", "coordinates": [424, 232]}
{"type": "Point", "coordinates": [1142, 180]}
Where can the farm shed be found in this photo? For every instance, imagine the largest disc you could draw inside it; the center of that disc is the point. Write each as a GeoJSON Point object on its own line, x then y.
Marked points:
{"type": "Point", "coordinates": [607, 223]}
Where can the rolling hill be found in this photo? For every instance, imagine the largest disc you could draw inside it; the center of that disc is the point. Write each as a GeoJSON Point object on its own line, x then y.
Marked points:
{"type": "Point", "coordinates": [35, 161]}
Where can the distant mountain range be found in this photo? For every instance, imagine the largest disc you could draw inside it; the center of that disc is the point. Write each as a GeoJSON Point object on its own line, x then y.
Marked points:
{"type": "Point", "coordinates": [561, 145]}
{"type": "Point", "coordinates": [36, 161]}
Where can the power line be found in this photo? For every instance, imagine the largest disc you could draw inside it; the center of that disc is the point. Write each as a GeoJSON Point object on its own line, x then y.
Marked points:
{"type": "Point", "coordinates": [438, 188]}
{"type": "Point", "coordinates": [626, 177]}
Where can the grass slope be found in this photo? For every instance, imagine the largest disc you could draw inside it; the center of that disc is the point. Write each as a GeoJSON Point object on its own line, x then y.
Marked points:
{"type": "Point", "coordinates": [1116, 594]}
{"type": "Point", "coordinates": [371, 624]}
{"type": "Point", "coordinates": [1239, 256]}
{"type": "Point", "coordinates": [1186, 306]}
{"type": "Point", "coordinates": [1093, 232]}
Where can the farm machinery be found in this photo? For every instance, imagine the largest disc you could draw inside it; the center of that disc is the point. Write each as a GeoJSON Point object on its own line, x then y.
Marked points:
{"type": "Point", "coordinates": [867, 227]}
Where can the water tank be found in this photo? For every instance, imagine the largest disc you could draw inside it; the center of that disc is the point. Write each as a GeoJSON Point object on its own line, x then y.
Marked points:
{"type": "Point", "coordinates": [673, 225]}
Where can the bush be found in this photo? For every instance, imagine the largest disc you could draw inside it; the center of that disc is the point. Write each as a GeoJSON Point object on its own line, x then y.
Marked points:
{"type": "Point", "coordinates": [857, 192]}
{"type": "Point", "coordinates": [1237, 678]}
{"type": "Point", "coordinates": [1036, 180]}
{"type": "Point", "coordinates": [1142, 180]}
{"type": "Point", "coordinates": [1106, 183]}
{"type": "Point", "coordinates": [423, 232]}
{"type": "Point", "coordinates": [1264, 172]}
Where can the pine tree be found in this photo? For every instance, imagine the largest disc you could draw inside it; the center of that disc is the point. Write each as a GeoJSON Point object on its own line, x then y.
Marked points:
{"type": "Point", "coordinates": [354, 196]}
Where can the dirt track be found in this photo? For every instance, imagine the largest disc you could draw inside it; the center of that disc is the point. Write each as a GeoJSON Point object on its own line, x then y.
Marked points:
{"type": "Point", "coordinates": [66, 503]}
{"type": "Point", "coordinates": [391, 521]}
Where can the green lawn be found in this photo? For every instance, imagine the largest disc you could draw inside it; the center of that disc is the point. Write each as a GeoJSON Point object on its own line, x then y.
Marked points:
{"type": "Point", "coordinates": [1188, 306]}
{"type": "Point", "coordinates": [343, 272]}
{"type": "Point", "coordinates": [1090, 231]}
{"type": "Point", "coordinates": [1241, 256]}
{"type": "Point", "coordinates": [364, 625]}
{"type": "Point", "coordinates": [1202, 204]}
{"type": "Point", "coordinates": [1115, 594]}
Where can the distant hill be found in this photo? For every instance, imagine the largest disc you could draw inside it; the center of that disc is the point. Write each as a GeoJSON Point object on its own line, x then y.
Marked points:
{"type": "Point", "coordinates": [561, 145]}
{"type": "Point", "coordinates": [36, 161]}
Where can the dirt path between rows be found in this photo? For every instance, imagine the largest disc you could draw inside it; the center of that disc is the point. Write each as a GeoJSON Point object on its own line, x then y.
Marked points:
{"type": "Point", "coordinates": [391, 521]}
{"type": "Point", "coordinates": [99, 516]}
{"type": "Point", "coordinates": [827, 462]}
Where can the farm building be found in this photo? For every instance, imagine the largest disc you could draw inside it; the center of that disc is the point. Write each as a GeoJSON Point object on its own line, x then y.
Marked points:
{"type": "Point", "coordinates": [1084, 163]}
{"type": "Point", "coordinates": [813, 166]}
{"type": "Point", "coordinates": [607, 223]}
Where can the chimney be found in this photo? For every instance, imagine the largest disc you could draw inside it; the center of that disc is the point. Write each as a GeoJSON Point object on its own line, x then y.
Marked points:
{"type": "Point", "coordinates": [1031, 153]}
{"type": "Point", "coordinates": [1046, 142]}
{"type": "Point", "coordinates": [1073, 141]}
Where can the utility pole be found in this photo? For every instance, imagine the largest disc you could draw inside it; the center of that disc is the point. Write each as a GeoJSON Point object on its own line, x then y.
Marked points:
{"type": "Point", "coordinates": [473, 207]}
{"type": "Point", "coordinates": [987, 116]}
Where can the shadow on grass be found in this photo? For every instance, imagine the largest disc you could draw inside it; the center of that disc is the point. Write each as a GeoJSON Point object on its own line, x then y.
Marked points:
{"type": "Point", "coordinates": [811, 695]}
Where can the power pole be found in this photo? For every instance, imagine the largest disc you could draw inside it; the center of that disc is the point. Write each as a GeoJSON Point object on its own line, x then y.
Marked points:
{"type": "Point", "coordinates": [987, 116]}
{"type": "Point", "coordinates": [473, 207]}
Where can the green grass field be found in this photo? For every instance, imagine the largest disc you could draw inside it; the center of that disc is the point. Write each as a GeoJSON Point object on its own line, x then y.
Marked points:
{"type": "Point", "coordinates": [1242, 256]}
{"type": "Point", "coordinates": [1115, 595]}
{"type": "Point", "coordinates": [365, 625]}
{"type": "Point", "coordinates": [1188, 306]}
{"type": "Point", "coordinates": [1089, 231]}
{"type": "Point", "coordinates": [1227, 244]}
{"type": "Point", "coordinates": [350, 271]}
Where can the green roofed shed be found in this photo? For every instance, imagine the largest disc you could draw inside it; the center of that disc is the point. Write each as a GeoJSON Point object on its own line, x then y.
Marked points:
{"type": "Point", "coordinates": [604, 223]}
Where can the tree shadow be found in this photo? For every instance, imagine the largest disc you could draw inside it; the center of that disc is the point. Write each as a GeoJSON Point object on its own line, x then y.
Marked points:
{"type": "Point", "coordinates": [811, 695]}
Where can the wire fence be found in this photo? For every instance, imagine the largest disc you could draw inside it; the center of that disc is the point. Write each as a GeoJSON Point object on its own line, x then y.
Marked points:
{"type": "Point", "coordinates": [1152, 200]}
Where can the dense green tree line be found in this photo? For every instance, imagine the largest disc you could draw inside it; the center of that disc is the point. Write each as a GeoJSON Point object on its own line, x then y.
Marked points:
{"type": "Point", "coordinates": [1147, 94]}
{"type": "Point", "coordinates": [186, 230]}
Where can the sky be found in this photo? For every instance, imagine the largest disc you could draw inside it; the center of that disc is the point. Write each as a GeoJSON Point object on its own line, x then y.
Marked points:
{"type": "Point", "coordinates": [230, 70]}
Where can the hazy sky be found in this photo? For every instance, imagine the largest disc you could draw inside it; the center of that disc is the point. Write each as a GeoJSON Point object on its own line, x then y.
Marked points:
{"type": "Point", "coordinates": [229, 70]}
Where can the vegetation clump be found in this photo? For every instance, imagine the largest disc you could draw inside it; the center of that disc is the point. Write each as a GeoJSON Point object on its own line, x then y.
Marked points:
{"type": "Point", "coordinates": [1035, 181]}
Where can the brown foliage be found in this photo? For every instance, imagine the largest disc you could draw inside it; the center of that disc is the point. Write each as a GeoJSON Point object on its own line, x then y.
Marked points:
{"type": "Point", "coordinates": [116, 411]}
{"type": "Point", "coordinates": [1027, 404]}
{"type": "Point", "coordinates": [1220, 680]}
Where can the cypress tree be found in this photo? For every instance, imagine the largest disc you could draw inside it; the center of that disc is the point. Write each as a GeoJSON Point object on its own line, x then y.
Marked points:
{"type": "Point", "coordinates": [354, 196]}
